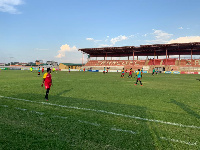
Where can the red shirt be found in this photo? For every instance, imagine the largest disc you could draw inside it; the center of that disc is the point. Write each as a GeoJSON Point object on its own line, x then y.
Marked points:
{"type": "Point", "coordinates": [47, 78]}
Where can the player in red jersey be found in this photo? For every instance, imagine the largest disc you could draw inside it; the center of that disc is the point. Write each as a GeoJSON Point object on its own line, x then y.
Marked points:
{"type": "Point", "coordinates": [47, 81]}
{"type": "Point", "coordinates": [42, 69]}
{"type": "Point", "coordinates": [130, 73]}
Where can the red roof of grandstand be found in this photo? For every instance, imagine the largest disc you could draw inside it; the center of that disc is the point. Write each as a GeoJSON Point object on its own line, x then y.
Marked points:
{"type": "Point", "coordinates": [145, 50]}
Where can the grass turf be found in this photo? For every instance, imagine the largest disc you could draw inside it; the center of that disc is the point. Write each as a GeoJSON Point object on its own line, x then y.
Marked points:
{"type": "Point", "coordinates": [89, 110]}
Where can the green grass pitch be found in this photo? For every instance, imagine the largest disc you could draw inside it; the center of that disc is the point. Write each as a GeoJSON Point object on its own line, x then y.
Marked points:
{"type": "Point", "coordinates": [88, 110]}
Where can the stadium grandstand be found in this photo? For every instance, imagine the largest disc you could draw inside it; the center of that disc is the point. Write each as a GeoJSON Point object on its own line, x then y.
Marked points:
{"type": "Point", "coordinates": [171, 57]}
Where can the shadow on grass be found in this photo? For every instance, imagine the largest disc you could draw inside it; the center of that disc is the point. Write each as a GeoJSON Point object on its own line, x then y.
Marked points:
{"type": "Point", "coordinates": [104, 136]}
{"type": "Point", "coordinates": [158, 134]}
{"type": "Point", "coordinates": [186, 108]}
{"type": "Point", "coordinates": [63, 92]}
{"type": "Point", "coordinates": [91, 104]}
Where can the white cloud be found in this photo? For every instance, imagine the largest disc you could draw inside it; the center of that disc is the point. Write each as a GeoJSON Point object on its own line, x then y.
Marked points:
{"type": "Point", "coordinates": [89, 39]}
{"type": "Point", "coordinates": [130, 36]}
{"type": "Point", "coordinates": [109, 42]}
{"type": "Point", "coordinates": [104, 45]}
{"type": "Point", "coordinates": [107, 38]}
{"type": "Point", "coordinates": [160, 37]}
{"type": "Point", "coordinates": [186, 39]}
{"type": "Point", "coordinates": [145, 35]}
{"type": "Point", "coordinates": [9, 6]}
{"type": "Point", "coordinates": [117, 39]}
{"type": "Point", "coordinates": [159, 34]}
{"type": "Point", "coordinates": [92, 39]}
{"type": "Point", "coordinates": [65, 48]}
{"type": "Point", "coordinates": [96, 41]}
{"type": "Point", "coordinates": [181, 28]}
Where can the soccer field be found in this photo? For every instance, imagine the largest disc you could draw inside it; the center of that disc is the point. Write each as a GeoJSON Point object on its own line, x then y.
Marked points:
{"type": "Point", "coordinates": [88, 110]}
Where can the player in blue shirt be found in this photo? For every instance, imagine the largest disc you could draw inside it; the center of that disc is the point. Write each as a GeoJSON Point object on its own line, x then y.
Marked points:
{"type": "Point", "coordinates": [38, 71]}
{"type": "Point", "coordinates": [138, 77]}
{"type": "Point", "coordinates": [104, 70]}
{"type": "Point", "coordinates": [122, 76]}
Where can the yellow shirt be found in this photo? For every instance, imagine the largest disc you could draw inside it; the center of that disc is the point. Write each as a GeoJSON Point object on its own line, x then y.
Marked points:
{"type": "Point", "coordinates": [45, 75]}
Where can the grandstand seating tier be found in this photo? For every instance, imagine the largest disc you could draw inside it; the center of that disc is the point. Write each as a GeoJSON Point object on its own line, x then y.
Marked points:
{"type": "Point", "coordinates": [154, 62]}
{"type": "Point", "coordinates": [169, 62]}
{"type": "Point", "coordinates": [114, 62]}
{"type": "Point", "coordinates": [136, 64]}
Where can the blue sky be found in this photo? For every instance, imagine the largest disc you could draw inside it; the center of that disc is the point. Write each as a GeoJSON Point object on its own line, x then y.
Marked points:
{"type": "Point", "coordinates": [55, 30]}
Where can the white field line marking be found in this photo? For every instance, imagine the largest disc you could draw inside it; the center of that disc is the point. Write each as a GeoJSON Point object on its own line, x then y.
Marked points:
{"type": "Point", "coordinates": [40, 113]}
{"type": "Point", "coordinates": [60, 117]}
{"type": "Point", "coordinates": [90, 123]}
{"type": "Point", "coordinates": [4, 105]}
{"type": "Point", "coordinates": [178, 141]}
{"type": "Point", "coordinates": [20, 108]}
{"type": "Point", "coordinates": [115, 129]}
{"type": "Point", "coordinates": [128, 131]}
{"type": "Point", "coordinates": [108, 112]}
{"type": "Point", "coordinates": [123, 115]}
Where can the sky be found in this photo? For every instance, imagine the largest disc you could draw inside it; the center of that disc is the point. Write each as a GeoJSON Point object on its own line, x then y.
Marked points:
{"type": "Point", "coordinates": [55, 29]}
